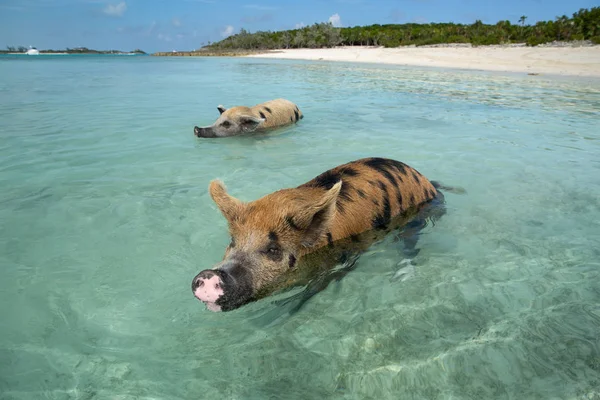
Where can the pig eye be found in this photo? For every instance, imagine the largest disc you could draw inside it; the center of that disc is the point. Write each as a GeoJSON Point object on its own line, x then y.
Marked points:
{"type": "Point", "coordinates": [273, 252]}
{"type": "Point", "coordinates": [226, 124]}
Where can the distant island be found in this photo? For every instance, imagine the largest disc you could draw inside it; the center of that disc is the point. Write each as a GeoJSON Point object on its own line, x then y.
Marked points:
{"type": "Point", "coordinates": [77, 50]}
{"type": "Point", "coordinates": [583, 26]}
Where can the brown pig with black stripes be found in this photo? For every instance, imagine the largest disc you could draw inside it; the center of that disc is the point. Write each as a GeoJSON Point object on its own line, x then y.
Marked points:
{"type": "Point", "coordinates": [273, 238]}
{"type": "Point", "coordinates": [238, 120]}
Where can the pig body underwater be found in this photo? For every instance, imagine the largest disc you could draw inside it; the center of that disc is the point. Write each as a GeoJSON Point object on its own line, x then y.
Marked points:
{"type": "Point", "coordinates": [238, 120]}
{"type": "Point", "coordinates": [286, 237]}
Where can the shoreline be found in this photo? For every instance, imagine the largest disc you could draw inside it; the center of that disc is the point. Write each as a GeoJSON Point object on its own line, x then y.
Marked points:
{"type": "Point", "coordinates": [208, 53]}
{"type": "Point", "coordinates": [552, 60]}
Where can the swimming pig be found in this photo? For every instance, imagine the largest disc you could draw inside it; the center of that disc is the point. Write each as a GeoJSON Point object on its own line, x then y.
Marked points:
{"type": "Point", "coordinates": [285, 237]}
{"type": "Point", "coordinates": [238, 120]}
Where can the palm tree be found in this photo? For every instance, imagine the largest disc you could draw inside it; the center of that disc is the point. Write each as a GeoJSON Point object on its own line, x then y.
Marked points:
{"type": "Point", "coordinates": [522, 20]}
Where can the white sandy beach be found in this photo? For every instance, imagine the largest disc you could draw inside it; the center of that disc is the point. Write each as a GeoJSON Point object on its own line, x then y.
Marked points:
{"type": "Point", "coordinates": [575, 61]}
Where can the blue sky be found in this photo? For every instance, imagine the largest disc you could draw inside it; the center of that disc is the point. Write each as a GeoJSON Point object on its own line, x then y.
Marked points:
{"type": "Point", "coordinates": [155, 25]}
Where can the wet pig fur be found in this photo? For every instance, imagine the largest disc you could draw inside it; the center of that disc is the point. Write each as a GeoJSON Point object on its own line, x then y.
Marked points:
{"type": "Point", "coordinates": [289, 236]}
{"type": "Point", "coordinates": [239, 120]}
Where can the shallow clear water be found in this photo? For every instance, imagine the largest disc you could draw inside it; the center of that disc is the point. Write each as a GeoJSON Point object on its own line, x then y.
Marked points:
{"type": "Point", "coordinates": [105, 218]}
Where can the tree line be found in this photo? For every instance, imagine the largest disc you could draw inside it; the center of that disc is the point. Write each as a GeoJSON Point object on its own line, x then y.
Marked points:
{"type": "Point", "coordinates": [16, 49]}
{"type": "Point", "coordinates": [583, 25]}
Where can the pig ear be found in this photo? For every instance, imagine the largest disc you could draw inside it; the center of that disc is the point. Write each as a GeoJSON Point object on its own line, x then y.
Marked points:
{"type": "Point", "coordinates": [250, 122]}
{"type": "Point", "coordinates": [221, 109]}
{"type": "Point", "coordinates": [314, 218]}
{"type": "Point", "coordinates": [229, 205]}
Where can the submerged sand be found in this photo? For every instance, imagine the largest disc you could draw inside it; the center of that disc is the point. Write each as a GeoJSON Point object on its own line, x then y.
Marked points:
{"type": "Point", "coordinates": [576, 61]}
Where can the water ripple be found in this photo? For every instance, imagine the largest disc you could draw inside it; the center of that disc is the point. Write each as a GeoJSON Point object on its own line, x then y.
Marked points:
{"type": "Point", "coordinates": [105, 217]}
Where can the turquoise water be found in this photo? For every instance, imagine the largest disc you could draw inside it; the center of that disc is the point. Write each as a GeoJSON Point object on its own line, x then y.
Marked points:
{"type": "Point", "coordinates": [105, 219]}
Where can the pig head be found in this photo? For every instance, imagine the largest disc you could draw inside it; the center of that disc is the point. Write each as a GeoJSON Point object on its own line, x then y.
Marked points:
{"type": "Point", "coordinates": [268, 238]}
{"type": "Point", "coordinates": [231, 122]}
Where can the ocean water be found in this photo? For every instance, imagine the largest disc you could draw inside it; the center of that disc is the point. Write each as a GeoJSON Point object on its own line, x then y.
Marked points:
{"type": "Point", "coordinates": [105, 218]}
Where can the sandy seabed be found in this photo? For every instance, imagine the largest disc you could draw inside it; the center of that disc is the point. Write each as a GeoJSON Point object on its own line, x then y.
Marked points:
{"type": "Point", "coordinates": [575, 61]}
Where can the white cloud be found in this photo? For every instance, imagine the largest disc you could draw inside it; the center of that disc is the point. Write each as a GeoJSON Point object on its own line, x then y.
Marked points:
{"type": "Point", "coordinates": [228, 31]}
{"type": "Point", "coordinates": [176, 22]}
{"type": "Point", "coordinates": [166, 38]}
{"type": "Point", "coordinates": [115, 10]}
{"type": "Point", "coordinates": [257, 18]}
{"type": "Point", "coordinates": [300, 25]}
{"type": "Point", "coordinates": [335, 20]}
{"type": "Point", "coordinates": [150, 30]}
{"type": "Point", "coordinates": [396, 15]}
{"type": "Point", "coordinates": [259, 7]}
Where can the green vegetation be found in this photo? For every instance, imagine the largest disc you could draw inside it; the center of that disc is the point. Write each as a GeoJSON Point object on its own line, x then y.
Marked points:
{"type": "Point", "coordinates": [207, 53]}
{"type": "Point", "coordinates": [18, 49]}
{"type": "Point", "coordinates": [583, 25]}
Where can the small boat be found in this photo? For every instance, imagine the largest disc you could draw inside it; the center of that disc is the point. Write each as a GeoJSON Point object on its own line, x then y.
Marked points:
{"type": "Point", "coordinates": [32, 51]}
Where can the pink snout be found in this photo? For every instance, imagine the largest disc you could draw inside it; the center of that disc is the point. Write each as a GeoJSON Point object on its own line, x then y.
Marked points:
{"type": "Point", "coordinates": [208, 288]}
